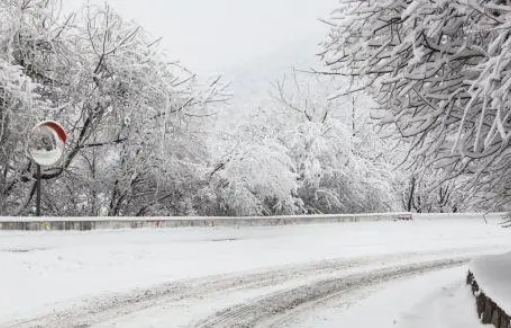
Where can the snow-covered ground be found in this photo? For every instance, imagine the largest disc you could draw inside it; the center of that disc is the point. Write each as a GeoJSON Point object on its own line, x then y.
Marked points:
{"type": "Point", "coordinates": [448, 303]}
{"type": "Point", "coordinates": [289, 276]}
{"type": "Point", "coordinates": [440, 300]}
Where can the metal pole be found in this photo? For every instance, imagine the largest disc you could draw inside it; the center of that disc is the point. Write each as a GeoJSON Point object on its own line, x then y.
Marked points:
{"type": "Point", "coordinates": [38, 199]}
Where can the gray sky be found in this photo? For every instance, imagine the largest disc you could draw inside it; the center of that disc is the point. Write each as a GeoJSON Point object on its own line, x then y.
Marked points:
{"type": "Point", "coordinates": [211, 36]}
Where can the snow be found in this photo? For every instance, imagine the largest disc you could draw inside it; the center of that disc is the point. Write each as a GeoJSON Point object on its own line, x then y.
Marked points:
{"type": "Point", "coordinates": [47, 271]}
{"type": "Point", "coordinates": [439, 300]}
{"type": "Point", "coordinates": [493, 275]}
{"type": "Point", "coordinates": [450, 306]}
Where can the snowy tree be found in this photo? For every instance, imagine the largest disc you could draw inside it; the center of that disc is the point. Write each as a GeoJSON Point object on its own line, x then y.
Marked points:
{"type": "Point", "coordinates": [339, 159]}
{"type": "Point", "coordinates": [419, 197]}
{"type": "Point", "coordinates": [251, 173]}
{"type": "Point", "coordinates": [130, 112]}
{"type": "Point", "coordinates": [301, 153]}
{"type": "Point", "coordinates": [17, 97]}
{"type": "Point", "coordinates": [439, 71]}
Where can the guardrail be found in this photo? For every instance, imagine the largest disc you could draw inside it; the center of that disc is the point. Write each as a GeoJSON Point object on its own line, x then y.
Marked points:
{"type": "Point", "coordinates": [443, 216]}
{"type": "Point", "coordinates": [487, 309]}
{"type": "Point", "coordinates": [109, 223]}
{"type": "Point", "coordinates": [104, 223]}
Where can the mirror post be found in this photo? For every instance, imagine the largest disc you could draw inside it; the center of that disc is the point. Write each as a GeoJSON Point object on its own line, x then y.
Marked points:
{"type": "Point", "coordinates": [46, 145]}
{"type": "Point", "coordinates": [38, 196]}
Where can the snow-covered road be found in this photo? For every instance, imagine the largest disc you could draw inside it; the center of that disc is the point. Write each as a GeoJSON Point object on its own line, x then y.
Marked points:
{"type": "Point", "coordinates": [289, 276]}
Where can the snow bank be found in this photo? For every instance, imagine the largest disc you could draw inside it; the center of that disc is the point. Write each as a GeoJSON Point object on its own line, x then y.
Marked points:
{"type": "Point", "coordinates": [491, 280]}
{"type": "Point", "coordinates": [450, 306]}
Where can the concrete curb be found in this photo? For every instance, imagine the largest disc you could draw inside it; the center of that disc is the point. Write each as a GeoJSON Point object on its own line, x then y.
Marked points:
{"type": "Point", "coordinates": [487, 309]}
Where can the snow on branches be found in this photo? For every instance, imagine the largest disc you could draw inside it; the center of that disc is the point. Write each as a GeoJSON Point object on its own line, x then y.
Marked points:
{"type": "Point", "coordinates": [133, 116]}
{"type": "Point", "coordinates": [441, 73]}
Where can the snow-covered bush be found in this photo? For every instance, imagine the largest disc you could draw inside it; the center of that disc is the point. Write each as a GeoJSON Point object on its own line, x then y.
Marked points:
{"type": "Point", "coordinates": [256, 179]}
{"type": "Point", "coordinates": [301, 153]}
{"type": "Point", "coordinates": [250, 173]}
{"type": "Point", "coordinates": [338, 157]}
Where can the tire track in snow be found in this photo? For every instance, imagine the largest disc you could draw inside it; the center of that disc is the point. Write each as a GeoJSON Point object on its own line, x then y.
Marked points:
{"type": "Point", "coordinates": [104, 309]}
{"type": "Point", "coordinates": [256, 312]}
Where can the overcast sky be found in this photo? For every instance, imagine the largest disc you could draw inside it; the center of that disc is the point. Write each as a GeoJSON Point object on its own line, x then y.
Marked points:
{"type": "Point", "coordinates": [212, 36]}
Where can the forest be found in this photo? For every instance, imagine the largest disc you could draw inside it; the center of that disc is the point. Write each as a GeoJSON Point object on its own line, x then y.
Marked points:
{"type": "Point", "coordinates": [410, 111]}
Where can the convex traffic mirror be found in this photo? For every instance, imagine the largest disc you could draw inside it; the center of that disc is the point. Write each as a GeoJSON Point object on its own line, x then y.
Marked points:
{"type": "Point", "coordinates": [46, 143]}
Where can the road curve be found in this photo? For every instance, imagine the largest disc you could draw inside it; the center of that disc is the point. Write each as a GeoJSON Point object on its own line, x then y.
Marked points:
{"type": "Point", "coordinates": [255, 313]}
{"type": "Point", "coordinates": [313, 282]}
